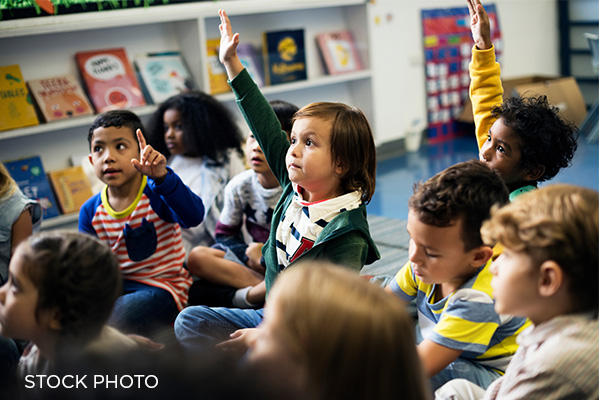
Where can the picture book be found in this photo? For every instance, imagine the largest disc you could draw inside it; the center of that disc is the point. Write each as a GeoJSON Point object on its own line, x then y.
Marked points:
{"type": "Point", "coordinates": [251, 60]}
{"type": "Point", "coordinates": [216, 71]}
{"type": "Point", "coordinates": [16, 105]}
{"type": "Point", "coordinates": [31, 178]}
{"type": "Point", "coordinates": [338, 51]}
{"type": "Point", "coordinates": [109, 79]}
{"type": "Point", "coordinates": [284, 55]}
{"type": "Point", "coordinates": [59, 97]}
{"type": "Point", "coordinates": [71, 187]}
{"type": "Point", "coordinates": [163, 75]}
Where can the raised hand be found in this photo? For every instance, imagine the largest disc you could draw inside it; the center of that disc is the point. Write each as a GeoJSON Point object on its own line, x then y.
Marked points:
{"type": "Point", "coordinates": [151, 162]}
{"type": "Point", "coordinates": [228, 47]}
{"type": "Point", "coordinates": [480, 25]}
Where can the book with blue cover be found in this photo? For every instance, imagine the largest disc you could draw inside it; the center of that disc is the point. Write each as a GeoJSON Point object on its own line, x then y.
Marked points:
{"type": "Point", "coordinates": [163, 75]}
{"type": "Point", "coordinates": [285, 58]}
{"type": "Point", "coordinates": [30, 176]}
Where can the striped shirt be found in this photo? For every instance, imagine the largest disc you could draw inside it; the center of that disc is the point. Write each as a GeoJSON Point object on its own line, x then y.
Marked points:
{"type": "Point", "coordinates": [147, 244]}
{"type": "Point", "coordinates": [465, 319]}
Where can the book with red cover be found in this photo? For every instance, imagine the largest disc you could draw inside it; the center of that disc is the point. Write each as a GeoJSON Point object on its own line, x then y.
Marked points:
{"type": "Point", "coordinates": [109, 79]}
{"type": "Point", "coordinates": [59, 97]}
{"type": "Point", "coordinates": [339, 53]}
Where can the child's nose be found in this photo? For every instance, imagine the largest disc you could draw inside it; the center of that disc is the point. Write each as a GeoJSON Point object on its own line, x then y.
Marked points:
{"type": "Point", "coordinates": [486, 153]}
{"type": "Point", "coordinates": [413, 253]}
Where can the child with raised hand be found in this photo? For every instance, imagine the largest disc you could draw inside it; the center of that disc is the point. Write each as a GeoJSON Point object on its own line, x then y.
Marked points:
{"type": "Point", "coordinates": [448, 276]}
{"type": "Point", "coordinates": [202, 143]}
{"type": "Point", "coordinates": [138, 215]}
{"type": "Point", "coordinates": [59, 295]}
{"type": "Point", "coordinates": [330, 334]}
{"type": "Point", "coordinates": [548, 273]}
{"type": "Point", "coordinates": [231, 264]}
{"type": "Point", "coordinates": [524, 139]}
{"type": "Point", "coordinates": [327, 175]}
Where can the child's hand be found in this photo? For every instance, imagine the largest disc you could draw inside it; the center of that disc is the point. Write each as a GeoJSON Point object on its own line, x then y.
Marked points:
{"type": "Point", "coordinates": [480, 25]}
{"type": "Point", "coordinates": [254, 254]}
{"type": "Point", "coordinates": [152, 163]}
{"type": "Point", "coordinates": [241, 340]}
{"type": "Point", "coordinates": [228, 47]}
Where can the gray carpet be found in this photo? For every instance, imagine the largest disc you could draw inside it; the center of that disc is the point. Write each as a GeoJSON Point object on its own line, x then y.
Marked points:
{"type": "Point", "coordinates": [392, 241]}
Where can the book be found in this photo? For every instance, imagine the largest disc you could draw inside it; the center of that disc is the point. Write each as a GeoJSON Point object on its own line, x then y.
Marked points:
{"type": "Point", "coordinates": [338, 51]}
{"type": "Point", "coordinates": [71, 188]}
{"type": "Point", "coordinates": [59, 97]}
{"type": "Point", "coordinates": [251, 60]}
{"type": "Point", "coordinates": [31, 178]}
{"type": "Point", "coordinates": [284, 55]}
{"type": "Point", "coordinates": [217, 75]}
{"type": "Point", "coordinates": [16, 104]}
{"type": "Point", "coordinates": [109, 79]}
{"type": "Point", "coordinates": [163, 75]}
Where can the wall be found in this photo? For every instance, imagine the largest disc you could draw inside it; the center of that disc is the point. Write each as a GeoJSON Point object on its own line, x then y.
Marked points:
{"type": "Point", "coordinates": [530, 36]}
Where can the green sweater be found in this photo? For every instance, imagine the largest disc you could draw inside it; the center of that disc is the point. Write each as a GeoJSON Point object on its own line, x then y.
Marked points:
{"type": "Point", "coordinates": [345, 240]}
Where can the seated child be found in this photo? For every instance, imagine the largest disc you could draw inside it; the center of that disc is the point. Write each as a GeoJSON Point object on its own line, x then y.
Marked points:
{"type": "Point", "coordinates": [250, 199]}
{"type": "Point", "coordinates": [330, 334]}
{"type": "Point", "coordinates": [327, 174]}
{"type": "Point", "coordinates": [138, 215]}
{"type": "Point", "coordinates": [524, 139]}
{"type": "Point", "coordinates": [448, 275]}
{"type": "Point", "coordinates": [548, 273]}
{"type": "Point", "coordinates": [60, 292]}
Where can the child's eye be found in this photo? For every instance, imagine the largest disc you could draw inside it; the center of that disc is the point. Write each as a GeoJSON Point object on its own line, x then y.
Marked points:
{"type": "Point", "coordinates": [430, 255]}
{"type": "Point", "coordinates": [501, 149]}
{"type": "Point", "coordinates": [293, 140]}
{"type": "Point", "coordinates": [97, 149]}
{"type": "Point", "coordinates": [121, 146]}
{"type": "Point", "coordinates": [309, 142]}
{"type": "Point", "coordinates": [178, 127]}
{"type": "Point", "coordinates": [489, 137]}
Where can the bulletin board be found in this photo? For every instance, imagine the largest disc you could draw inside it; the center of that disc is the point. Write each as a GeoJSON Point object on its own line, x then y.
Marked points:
{"type": "Point", "coordinates": [447, 45]}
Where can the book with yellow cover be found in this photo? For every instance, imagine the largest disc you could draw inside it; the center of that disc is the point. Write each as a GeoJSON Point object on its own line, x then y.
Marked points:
{"type": "Point", "coordinates": [216, 71]}
{"type": "Point", "coordinates": [71, 187]}
{"type": "Point", "coordinates": [16, 106]}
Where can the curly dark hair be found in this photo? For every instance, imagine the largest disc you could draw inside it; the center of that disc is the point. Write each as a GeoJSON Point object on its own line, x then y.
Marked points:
{"type": "Point", "coordinates": [209, 128]}
{"type": "Point", "coordinates": [118, 119]}
{"type": "Point", "coordinates": [545, 138]}
{"type": "Point", "coordinates": [466, 190]}
{"type": "Point", "coordinates": [76, 275]}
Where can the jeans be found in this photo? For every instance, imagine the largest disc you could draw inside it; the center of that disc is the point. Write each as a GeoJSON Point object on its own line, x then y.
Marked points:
{"type": "Point", "coordinates": [465, 369]}
{"type": "Point", "coordinates": [200, 328]}
{"type": "Point", "coordinates": [143, 309]}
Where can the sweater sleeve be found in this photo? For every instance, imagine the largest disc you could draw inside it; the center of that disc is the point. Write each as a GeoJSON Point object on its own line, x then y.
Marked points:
{"type": "Point", "coordinates": [485, 90]}
{"type": "Point", "coordinates": [263, 123]}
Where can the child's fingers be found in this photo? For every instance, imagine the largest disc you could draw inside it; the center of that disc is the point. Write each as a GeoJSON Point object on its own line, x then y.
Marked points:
{"type": "Point", "coordinates": [141, 138]}
{"type": "Point", "coordinates": [471, 8]}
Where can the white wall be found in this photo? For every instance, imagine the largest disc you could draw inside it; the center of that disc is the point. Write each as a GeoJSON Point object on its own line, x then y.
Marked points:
{"type": "Point", "coordinates": [530, 36]}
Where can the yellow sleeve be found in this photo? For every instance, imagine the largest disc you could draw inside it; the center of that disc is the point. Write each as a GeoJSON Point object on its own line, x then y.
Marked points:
{"type": "Point", "coordinates": [405, 280]}
{"type": "Point", "coordinates": [485, 90]}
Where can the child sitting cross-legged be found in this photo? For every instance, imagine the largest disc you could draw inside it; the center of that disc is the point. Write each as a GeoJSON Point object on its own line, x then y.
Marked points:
{"type": "Point", "coordinates": [548, 273]}
{"type": "Point", "coordinates": [448, 275]}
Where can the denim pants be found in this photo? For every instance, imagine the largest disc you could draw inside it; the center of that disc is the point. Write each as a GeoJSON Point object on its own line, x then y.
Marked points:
{"type": "Point", "coordinates": [199, 328]}
{"type": "Point", "coordinates": [142, 309]}
{"type": "Point", "coordinates": [465, 369]}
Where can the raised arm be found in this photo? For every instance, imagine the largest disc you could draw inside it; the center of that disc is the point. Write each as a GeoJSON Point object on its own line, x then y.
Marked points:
{"type": "Point", "coordinates": [228, 48]}
{"type": "Point", "coordinates": [480, 25]}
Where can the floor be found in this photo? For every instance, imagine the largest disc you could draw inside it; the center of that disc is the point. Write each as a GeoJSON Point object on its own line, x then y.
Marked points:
{"type": "Point", "coordinates": [396, 176]}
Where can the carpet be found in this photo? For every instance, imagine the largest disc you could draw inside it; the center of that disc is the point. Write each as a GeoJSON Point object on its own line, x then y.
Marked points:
{"type": "Point", "coordinates": [391, 239]}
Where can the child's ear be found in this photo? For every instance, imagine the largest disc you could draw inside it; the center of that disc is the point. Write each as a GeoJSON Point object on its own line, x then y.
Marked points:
{"type": "Point", "coordinates": [481, 255]}
{"type": "Point", "coordinates": [533, 174]}
{"type": "Point", "coordinates": [90, 158]}
{"type": "Point", "coordinates": [551, 279]}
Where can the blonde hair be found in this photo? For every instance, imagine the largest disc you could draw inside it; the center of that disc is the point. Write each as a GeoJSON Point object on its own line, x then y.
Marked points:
{"type": "Point", "coordinates": [7, 184]}
{"type": "Point", "coordinates": [355, 340]}
{"type": "Point", "coordinates": [559, 223]}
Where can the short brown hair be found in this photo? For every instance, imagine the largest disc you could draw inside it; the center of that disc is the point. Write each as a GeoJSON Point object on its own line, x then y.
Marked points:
{"type": "Point", "coordinates": [466, 191]}
{"type": "Point", "coordinates": [352, 144]}
{"type": "Point", "coordinates": [559, 223]}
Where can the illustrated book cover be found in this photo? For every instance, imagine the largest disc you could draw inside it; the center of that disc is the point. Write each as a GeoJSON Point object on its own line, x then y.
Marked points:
{"type": "Point", "coordinates": [284, 56]}
{"type": "Point", "coordinates": [71, 187]}
{"type": "Point", "coordinates": [109, 79]}
{"type": "Point", "coordinates": [338, 51]}
{"type": "Point", "coordinates": [251, 60]}
{"type": "Point", "coordinates": [60, 97]}
{"type": "Point", "coordinates": [16, 105]}
{"type": "Point", "coordinates": [163, 75]}
{"type": "Point", "coordinates": [216, 71]}
{"type": "Point", "coordinates": [30, 176]}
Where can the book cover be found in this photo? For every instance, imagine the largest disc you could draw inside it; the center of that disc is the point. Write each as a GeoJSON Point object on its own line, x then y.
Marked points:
{"type": "Point", "coordinates": [16, 104]}
{"type": "Point", "coordinates": [216, 71]}
{"type": "Point", "coordinates": [163, 75]}
{"type": "Point", "coordinates": [71, 188]}
{"type": "Point", "coordinates": [251, 60]}
{"type": "Point", "coordinates": [284, 55]}
{"type": "Point", "coordinates": [338, 51]}
{"type": "Point", "coordinates": [31, 178]}
{"type": "Point", "coordinates": [109, 79]}
{"type": "Point", "coordinates": [59, 97]}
